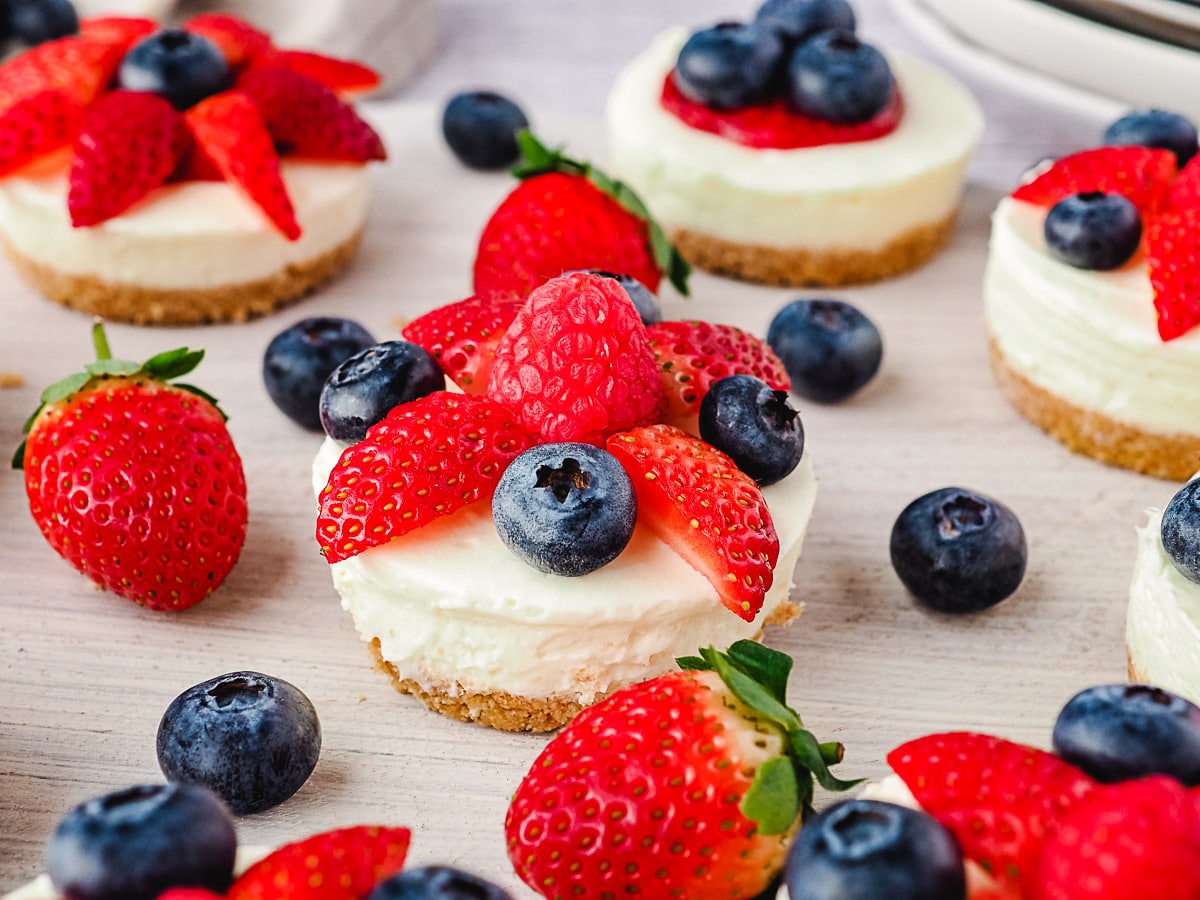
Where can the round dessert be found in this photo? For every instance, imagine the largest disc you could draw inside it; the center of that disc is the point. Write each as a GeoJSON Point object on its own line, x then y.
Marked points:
{"type": "Point", "coordinates": [753, 194]}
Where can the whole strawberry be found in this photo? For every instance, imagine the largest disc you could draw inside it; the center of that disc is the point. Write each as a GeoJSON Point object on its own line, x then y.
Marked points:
{"type": "Point", "coordinates": [687, 786]}
{"type": "Point", "coordinates": [135, 481]}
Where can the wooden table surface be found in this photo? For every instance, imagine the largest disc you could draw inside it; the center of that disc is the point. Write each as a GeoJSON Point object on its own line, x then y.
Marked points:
{"type": "Point", "coordinates": [85, 676]}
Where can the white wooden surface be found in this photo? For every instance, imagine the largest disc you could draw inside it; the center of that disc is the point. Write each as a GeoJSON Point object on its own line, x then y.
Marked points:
{"type": "Point", "coordinates": [84, 676]}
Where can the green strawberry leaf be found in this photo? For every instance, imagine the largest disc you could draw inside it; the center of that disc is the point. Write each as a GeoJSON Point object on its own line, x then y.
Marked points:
{"type": "Point", "coordinates": [692, 664]}
{"type": "Point", "coordinates": [770, 667]}
{"type": "Point", "coordinates": [112, 367]}
{"type": "Point", "coordinates": [808, 752]}
{"type": "Point", "coordinates": [172, 363]}
{"type": "Point", "coordinates": [773, 799]}
{"type": "Point", "coordinates": [60, 390]}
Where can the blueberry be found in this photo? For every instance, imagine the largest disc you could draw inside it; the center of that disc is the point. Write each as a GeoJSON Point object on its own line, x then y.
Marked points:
{"type": "Point", "coordinates": [1117, 732]}
{"type": "Point", "coordinates": [38, 21]}
{"type": "Point", "coordinates": [135, 843]}
{"type": "Point", "coordinates": [644, 299]}
{"type": "Point", "coordinates": [1093, 231]}
{"type": "Point", "coordinates": [835, 77]}
{"type": "Point", "coordinates": [300, 358]}
{"type": "Point", "coordinates": [437, 883]}
{"type": "Point", "coordinates": [565, 508]}
{"type": "Point", "coordinates": [745, 418]}
{"type": "Point", "coordinates": [179, 66]}
{"type": "Point", "coordinates": [796, 20]}
{"type": "Point", "coordinates": [250, 738]}
{"type": "Point", "coordinates": [829, 348]}
{"type": "Point", "coordinates": [729, 65]}
{"type": "Point", "coordinates": [367, 386]}
{"type": "Point", "coordinates": [1181, 531]}
{"type": "Point", "coordinates": [1155, 128]}
{"type": "Point", "coordinates": [958, 551]}
{"type": "Point", "coordinates": [866, 849]}
{"type": "Point", "coordinates": [481, 128]}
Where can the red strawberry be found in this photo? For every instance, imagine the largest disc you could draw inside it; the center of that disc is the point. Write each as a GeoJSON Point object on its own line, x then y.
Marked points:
{"type": "Point", "coordinates": [130, 143]}
{"type": "Point", "coordinates": [231, 132]}
{"type": "Point", "coordinates": [1172, 250]}
{"type": "Point", "coordinates": [575, 363]}
{"type": "Point", "coordinates": [240, 42]}
{"type": "Point", "coordinates": [463, 337]}
{"type": "Point", "coordinates": [1142, 174]}
{"type": "Point", "coordinates": [189, 893]}
{"type": "Point", "coordinates": [124, 31]}
{"type": "Point", "coordinates": [1127, 841]}
{"type": "Point", "coordinates": [1001, 799]}
{"type": "Point", "coordinates": [80, 67]}
{"type": "Point", "coordinates": [427, 459]}
{"type": "Point", "coordinates": [307, 119]}
{"type": "Point", "coordinates": [36, 126]}
{"type": "Point", "coordinates": [337, 865]}
{"type": "Point", "coordinates": [1185, 192]}
{"type": "Point", "coordinates": [696, 499]}
{"type": "Point", "coordinates": [341, 75]}
{"type": "Point", "coordinates": [686, 785]}
{"type": "Point", "coordinates": [692, 355]}
{"type": "Point", "coordinates": [135, 481]}
{"type": "Point", "coordinates": [568, 215]}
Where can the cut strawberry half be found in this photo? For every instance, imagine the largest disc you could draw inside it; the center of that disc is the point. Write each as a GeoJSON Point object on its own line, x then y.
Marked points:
{"type": "Point", "coordinates": [36, 126]}
{"type": "Point", "coordinates": [239, 41]}
{"type": "Point", "coordinates": [463, 337]}
{"type": "Point", "coordinates": [79, 67]}
{"type": "Point", "coordinates": [1142, 174]}
{"type": "Point", "coordinates": [343, 76]}
{"type": "Point", "coordinates": [123, 31]}
{"type": "Point", "coordinates": [1172, 256]}
{"type": "Point", "coordinates": [1185, 192]}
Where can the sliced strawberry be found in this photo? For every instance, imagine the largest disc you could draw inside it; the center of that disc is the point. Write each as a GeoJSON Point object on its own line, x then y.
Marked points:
{"type": "Point", "coordinates": [692, 355]}
{"type": "Point", "coordinates": [337, 865]}
{"type": "Point", "coordinates": [189, 893]}
{"type": "Point", "coordinates": [307, 119]}
{"type": "Point", "coordinates": [696, 499]}
{"type": "Point", "coordinates": [1142, 174]}
{"type": "Point", "coordinates": [343, 76]}
{"type": "Point", "coordinates": [130, 143]}
{"type": "Point", "coordinates": [80, 67]}
{"type": "Point", "coordinates": [37, 125]}
{"type": "Point", "coordinates": [239, 41]}
{"type": "Point", "coordinates": [1185, 192]}
{"type": "Point", "coordinates": [123, 31]}
{"type": "Point", "coordinates": [1172, 250]}
{"type": "Point", "coordinates": [463, 337]}
{"type": "Point", "coordinates": [231, 132]}
{"type": "Point", "coordinates": [427, 459]}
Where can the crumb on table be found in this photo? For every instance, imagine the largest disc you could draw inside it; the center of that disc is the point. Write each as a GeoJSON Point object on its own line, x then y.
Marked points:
{"type": "Point", "coordinates": [11, 380]}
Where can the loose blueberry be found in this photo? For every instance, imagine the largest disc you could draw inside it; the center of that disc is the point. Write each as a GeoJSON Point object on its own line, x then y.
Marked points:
{"type": "Point", "coordinates": [958, 551]}
{"type": "Point", "coordinates": [481, 128]}
{"type": "Point", "coordinates": [835, 77]}
{"type": "Point", "coordinates": [38, 21]}
{"type": "Point", "coordinates": [301, 357]}
{"type": "Point", "coordinates": [644, 299]}
{"type": "Point", "coordinates": [437, 883]}
{"type": "Point", "coordinates": [1117, 732]}
{"type": "Point", "coordinates": [367, 386]}
{"type": "Point", "coordinates": [729, 65]}
{"type": "Point", "coordinates": [796, 20]}
{"type": "Point", "coordinates": [250, 738]}
{"type": "Point", "coordinates": [565, 508]}
{"type": "Point", "coordinates": [861, 849]}
{"type": "Point", "coordinates": [1155, 128]}
{"type": "Point", "coordinates": [829, 348]}
{"type": "Point", "coordinates": [135, 843]}
{"type": "Point", "coordinates": [179, 66]}
{"type": "Point", "coordinates": [755, 425]}
{"type": "Point", "coordinates": [1093, 231]}
{"type": "Point", "coordinates": [1180, 531]}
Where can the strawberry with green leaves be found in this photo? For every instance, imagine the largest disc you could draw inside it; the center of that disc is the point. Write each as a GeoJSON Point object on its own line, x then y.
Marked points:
{"type": "Point", "coordinates": [689, 785]}
{"type": "Point", "coordinates": [135, 481]}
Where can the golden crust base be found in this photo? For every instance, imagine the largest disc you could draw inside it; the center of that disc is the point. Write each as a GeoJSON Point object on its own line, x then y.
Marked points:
{"type": "Point", "coordinates": [140, 305]}
{"type": "Point", "coordinates": [1172, 456]}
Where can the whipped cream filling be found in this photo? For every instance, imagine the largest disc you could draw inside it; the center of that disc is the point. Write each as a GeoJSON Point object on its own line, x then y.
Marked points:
{"type": "Point", "coordinates": [1088, 337]}
{"type": "Point", "coordinates": [201, 234]}
{"type": "Point", "coordinates": [841, 196]}
{"type": "Point", "coordinates": [452, 606]}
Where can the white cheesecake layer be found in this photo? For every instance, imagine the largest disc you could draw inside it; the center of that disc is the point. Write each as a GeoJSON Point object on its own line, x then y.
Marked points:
{"type": "Point", "coordinates": [452, 606]}
{"type": "Point", "coordinates": [185, 236]}
{"type": "Point", "coordinates": [842, 196]}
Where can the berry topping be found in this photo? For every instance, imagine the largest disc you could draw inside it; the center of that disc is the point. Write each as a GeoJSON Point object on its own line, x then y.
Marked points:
{"type": "Point", "coordinates": [1172, 248]}
{"type": "Point", "coordinates": [251, 739]}
{"type": "Point", "coordinates": [686, 785]}
{"type": "Point", "coordinates": [437, 883]}
{"type": "Point", "coordinates": [368, 385]}
{"type": "Point", "coordinates": [566, 509]}
{"type": "Point", "coordinates": [80, 67]}
{"type": "Point", "coordinates": [1093, 231]}
{"type": "Point", "coordinates": [481, 127]}
{"type": "Point", "coordinates": [729, 65]}
{"type": "Point", "coordinates": [123, 31]}
{"type": "Point", "coordinates": [240, 42]}
{"type": "Point", "coordinates": [36, 126]}
{"type": "Point", "coordinates": [300, 358]}
{"type": "Point", "coordinates": [838, 78]}
{"type": "Point", "coordinates": [427, 459]}
{"type": "Point", "coordinates": [342, 76]}
{"type": "Point", "coordinates": [864, 848]}
{"type": "Point", "coordinates": [828, 347]}
{"type": "Point", "coordinates": [181, 67]}
{"type": "Point", "coordinates": [38, 21]}
{"type": "Point", "coordinates": [1118, 732]}
{"type": "Point", "coordinates": [463, 337]}
{"type": "Point", "coordinates": [1142, 174]}
{"type": "Point", "coordinates": [711, 513]}
{"type": "Point", "coordinates": [796, 20]}
{"type": "Point", "coordinates": [958, 551]}
{"type": "Point", "coordinates": [576, 364]}
{"type": "Point", "coordinates": [135, 843]}
{"type": "Point", "coordinates": [1180, 531]}
{"type": "Point", "coordinates": [1155, 128]}
{"type": "Point", "coordinates": [743, 417]}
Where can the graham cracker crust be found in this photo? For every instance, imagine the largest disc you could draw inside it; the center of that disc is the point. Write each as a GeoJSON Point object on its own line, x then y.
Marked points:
{"type": "Point", "coordinates": [800, 267]}
{"type": "Point", "coordinates": [1132, 670]}
{"type": "Point", "coordinates": [1172, 456]}
{"type": "Point", "coordinates": [139, 305]}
